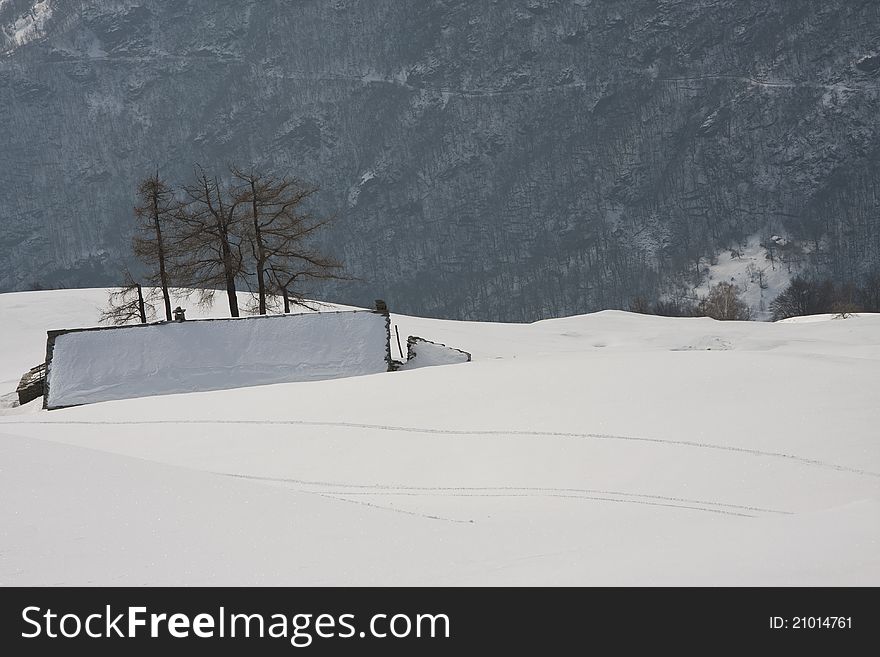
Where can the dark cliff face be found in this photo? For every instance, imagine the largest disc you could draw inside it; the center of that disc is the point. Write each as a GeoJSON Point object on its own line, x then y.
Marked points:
{"type": "Point", "coordinates": [485, 159]}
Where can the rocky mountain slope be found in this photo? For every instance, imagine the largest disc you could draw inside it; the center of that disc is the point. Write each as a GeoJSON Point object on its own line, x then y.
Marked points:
{"type": "Point", "coordinates": [492, 160]}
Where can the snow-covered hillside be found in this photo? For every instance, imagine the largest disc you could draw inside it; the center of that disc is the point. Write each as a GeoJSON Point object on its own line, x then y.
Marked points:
{"type": "Point", "coordinates": [610, 448]}
{"type": "Point", "coordinates": [25, 26]}
{"type": "Point", "coordinates": [759, 275]}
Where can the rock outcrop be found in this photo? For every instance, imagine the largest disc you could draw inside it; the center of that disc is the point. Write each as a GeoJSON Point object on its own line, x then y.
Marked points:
{"type": "Point", "coordinates": [487, 160]}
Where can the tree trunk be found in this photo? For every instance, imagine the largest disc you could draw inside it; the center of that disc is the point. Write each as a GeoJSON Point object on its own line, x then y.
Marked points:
{"type": "Point", "coordinates": [286, 302]}
{"type": "Point", "coordinates": [141, 307]}
{"type": "Point", "coordinates": [261, 288]}
{"type": "Point", "coordinates": [226, 251]}
{"type": "Point", "coordinates": [230, 278]}
{"type": "Point", "coordinates": [229, 272]}
{"type": "Point", "coordinates": [233, 298]}
{"type": "Point", "coordinates": [163, 274]}
{"type": "Point", "coordinates": [260, 251]}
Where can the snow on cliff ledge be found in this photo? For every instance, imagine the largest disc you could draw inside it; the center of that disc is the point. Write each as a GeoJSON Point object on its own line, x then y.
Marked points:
{"type": "Point", "coordinates": [28, 26]}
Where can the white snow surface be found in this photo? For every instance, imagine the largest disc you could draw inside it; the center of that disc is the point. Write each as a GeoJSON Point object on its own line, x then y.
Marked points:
{"type": "Point", "coordinates": [430, 354]}
{"type": "Point", "coordinates": [604, 449]}
{"type": "Point", "coordinates": [835, 317]}
{"type": "Point", "coordinates": [193, 356]}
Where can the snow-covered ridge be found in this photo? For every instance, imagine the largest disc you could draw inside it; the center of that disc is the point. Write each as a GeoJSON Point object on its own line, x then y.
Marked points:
{"type": "Point", "coordinates": [29, 315]}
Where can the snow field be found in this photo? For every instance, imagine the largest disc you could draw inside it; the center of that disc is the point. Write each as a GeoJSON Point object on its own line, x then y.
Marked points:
{"type": "Point", "coordinates": [611, 448]}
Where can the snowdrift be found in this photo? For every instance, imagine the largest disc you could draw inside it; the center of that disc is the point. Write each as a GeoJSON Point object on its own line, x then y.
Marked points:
{"type": "Point", "coordinates": [425, 353]}
{"type": "Point", "coordinates": [94, 365]}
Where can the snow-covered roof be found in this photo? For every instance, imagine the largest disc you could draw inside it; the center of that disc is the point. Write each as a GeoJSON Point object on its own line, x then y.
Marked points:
{"type": "Point", "coordinates": [109, 363]}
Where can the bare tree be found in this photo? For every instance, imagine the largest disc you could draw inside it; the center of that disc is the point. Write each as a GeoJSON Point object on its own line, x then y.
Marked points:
{"type": "Point", "coordinates": [640, 305]}
{"type": "Point", "coordinates": [675, 308]}
{"type": "Point", "coordinates": [278, 301]}
{"type": "Point", "coordinates": [279, 232]}
{"type": "Point", "coordinates": [283, 283]}
{"type": "Point", "coordinates": [288, 269]}
{"type": "Point", "coordinates": [869, 293]}
{"type": "Point", "coordinates": [723, 303]}
{"type": "Point", "coordinates": [156, 210]}
{"type": "Point", "coordinates": [804, 297]}
{"type": "Point", "coordinates": [844, 302]}
{"type": "Point", "coordinates": [208, 247]}
{"type": "Point", "coordinates": [127, 304]}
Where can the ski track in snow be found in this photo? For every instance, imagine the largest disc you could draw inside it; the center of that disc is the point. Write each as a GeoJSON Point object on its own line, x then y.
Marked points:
{"type": "Point", "coordinates": [331, 496]}
{"type": "Point", "coordinates": [509, 492]}
{"type": "Point", "coordinates": [467, 432]}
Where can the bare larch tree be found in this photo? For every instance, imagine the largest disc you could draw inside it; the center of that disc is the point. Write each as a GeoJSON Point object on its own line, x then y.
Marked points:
{"type": "Point", "coordinates": [279, 232]}
{"type": "Point", "coordinates": [127, 304]}
{"type": "Point", "coordinates": [208, 247]}
{"type": "Point", "coordinates": [155, 213]}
